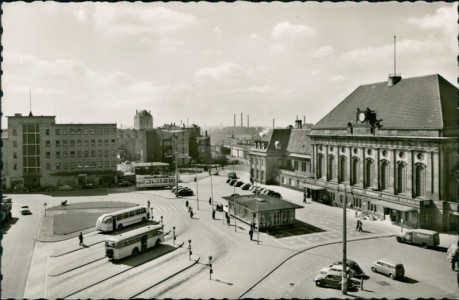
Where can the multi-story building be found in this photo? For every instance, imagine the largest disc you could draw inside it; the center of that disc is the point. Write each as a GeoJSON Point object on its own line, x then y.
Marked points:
{"type": "Point", "coordinates": [282, 157]}
{"type": "Point", "coordinates": [390, 149]}
{"type": "Point", "coordinates": [38, 152]}
{"type": "Point", "coordinates": [143, 120]}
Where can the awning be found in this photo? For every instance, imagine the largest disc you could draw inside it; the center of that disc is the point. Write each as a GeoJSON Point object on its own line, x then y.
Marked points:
{"type": "Point", "coordinates": [312, 187]}
{"type": "Point", "coordinates": [394, 206]}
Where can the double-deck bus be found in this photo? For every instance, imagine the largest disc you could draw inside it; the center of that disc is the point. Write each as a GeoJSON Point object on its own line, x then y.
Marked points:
{"type": "Point", "coordinates": [133, 242]}
{"type": "Point", "coordinates": [122, 218]}
{"type": "Point", "coordinates": [154, 181]}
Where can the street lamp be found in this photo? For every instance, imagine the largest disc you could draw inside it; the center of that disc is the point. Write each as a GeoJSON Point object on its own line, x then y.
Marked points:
{"type": "Point", "coordinates": [45, 207]}
{"type": "Point", "coordinates": [176, 167]}
{"type": "Point", "coordinates": [234, 203]}
{"type": "Point", "coordinates": [344, 278]}
{"type": "Point", "coordinates": [173, 233]}
{"type": "Point", "coordinates": [162, 226]}
{"type": "Point", "coordinates": [211, 187]}
{"type": "Point", "coordinates": [196, 178]}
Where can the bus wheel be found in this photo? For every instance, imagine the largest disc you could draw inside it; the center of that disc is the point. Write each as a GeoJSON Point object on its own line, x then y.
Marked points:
{"type": "Point", "coordinates": [135, 252]}
{"type": "Point", "coordinates": [120, 226]}
{"type": "Point", "coordinates": [158, 242]}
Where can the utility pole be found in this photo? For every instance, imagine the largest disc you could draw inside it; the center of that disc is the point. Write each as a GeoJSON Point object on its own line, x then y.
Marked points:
{"type": "Point", "coordinates": [344, 280]}
{"type": "Point", "coordinates": [197, 190]}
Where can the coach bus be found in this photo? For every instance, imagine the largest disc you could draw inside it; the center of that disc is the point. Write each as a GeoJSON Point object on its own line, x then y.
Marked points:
{"type": "Point", "coordinates": [133, 242]}
{"type": "Point", "coordinates": [121, 218]}
{"type": "Point", "coordinates": [154, 181]}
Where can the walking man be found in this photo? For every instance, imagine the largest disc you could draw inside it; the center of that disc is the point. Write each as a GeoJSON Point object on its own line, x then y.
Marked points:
{"type": "Point", "coordinates": [191, 213]}
{"type": "Point", "coordinates": [360, 226]}
{"type": "Point", "coordinates": [251, 233]}
{"type": "Point", "coordinates": [186, 203]}
{"type": "Point", "coordinates": [213, 214]}
{"type": "Point", "coordinates": [148, 204]}
{"type": "Point", "coordinates": [210, 200]}
{"type": "Point", "coordinates": [357, 227]}
{"type": "Point", "coordinates": [80, 237]}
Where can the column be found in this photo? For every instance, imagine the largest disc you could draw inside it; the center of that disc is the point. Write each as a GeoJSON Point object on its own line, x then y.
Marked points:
{"type": "Point", "coordinates": [377, 180]}
{"type": "Point", "coordinates": [361, 167]}
{"type": "Point", "coordinates": [393, 173]}
{"type": "Point", "coordinates": [429, 174]}
{"type": "Point", "coordinates": [435, 176]}
{"type": "Point", "coordinates": [409, 173]}
{"type": "Point", "coordinates": [326, 162]}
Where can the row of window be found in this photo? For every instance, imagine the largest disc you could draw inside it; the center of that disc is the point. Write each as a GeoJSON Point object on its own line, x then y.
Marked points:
{"type": "Point", "coordinates": [85, 153]}
{"type": "Point", "coordinates": [80, 165]}
{"type": "Point", "coordinates": [65, 131]}
{"type": "Point", "coordinates": [81, 143]}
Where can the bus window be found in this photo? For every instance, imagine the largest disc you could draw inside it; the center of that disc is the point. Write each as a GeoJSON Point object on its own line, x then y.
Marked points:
{"type": "Point", "coordinates": [132, 213]}
{"type": "Point", "coordinates": [107, 220]}
{"type": "Point", "coordinates": [138, 212]}
{"type": "Point", "coordinates": [126, 215]}
{"type": "Point", "coordinates": [119, 217]}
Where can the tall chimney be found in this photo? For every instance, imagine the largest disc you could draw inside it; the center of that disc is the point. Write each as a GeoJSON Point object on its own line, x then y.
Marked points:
{"type": "Point", "coordinates": [298, 124]}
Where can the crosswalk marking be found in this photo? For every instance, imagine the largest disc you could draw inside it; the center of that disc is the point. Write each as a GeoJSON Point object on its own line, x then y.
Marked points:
{"type": "Point", "coordinates": [171, 207]}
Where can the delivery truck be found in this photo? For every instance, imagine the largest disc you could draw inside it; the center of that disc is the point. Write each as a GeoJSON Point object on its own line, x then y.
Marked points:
{"type": "Point", "coordinates": [421, 237]}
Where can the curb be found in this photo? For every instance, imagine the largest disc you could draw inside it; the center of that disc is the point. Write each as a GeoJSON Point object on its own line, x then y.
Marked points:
{"type": "Point", "coordinates": [309, 248]}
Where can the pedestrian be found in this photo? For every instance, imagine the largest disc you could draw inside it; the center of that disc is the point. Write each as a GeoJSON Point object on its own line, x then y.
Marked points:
{"type": "Point", "coordinates": [191, 214]}
{"type": "Point", "coordinates": [213, 214]}
{"type": "Point", "coordinates": [186, 203]}
{"type": "Point", "coordinates": [210, 200]}
{"type": "Point", "coordinates": [148, 204]}
{"type": "Point", "coordinates": [357, 226]}
{"type": "Point", "coordinates": [228, 221]}
{"type": "Point", "coordinates": [454, 260]}
{"type": "Point", "coordinates": [80, 237]}
{"type": "Point", "coordinates": [251, 233]}
{"type": "Point", "coordinates": [304, 198]}
{"type": "Point", "coordinates": [356, 213]}
{"type": "Point", "coordinates": [360, 226]}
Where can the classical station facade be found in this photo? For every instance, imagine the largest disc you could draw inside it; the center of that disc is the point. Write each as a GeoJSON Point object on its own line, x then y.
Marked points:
{"type": "Point", "coordinates": [389, 150]}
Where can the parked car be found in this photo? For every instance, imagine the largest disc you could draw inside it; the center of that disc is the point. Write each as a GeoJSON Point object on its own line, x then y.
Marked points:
{"type": "Point", "coordinates": [25, 210]}
{"type": "Point", "coordinates": [239, 183]}
{"type": "Point", "coordinates": [124, 184]}
{"type": "Point", "coordinates": [66, 188]}
{"type": "Point", "coordinates": [274, 194]}
{"type": "Point", "coordinates": [87, 186]}
{"type": "Point", "coordinates": [351, 265]}
{"type": "Point", "coordinates": [391, 269]}
{"type": "Point", "coordinates": [422, 237]}
{"type": "Point", "coordinates": [185, 192]}
{"type": "Point", "coordinates": [246, 186]}
{"type": "Point", "coordinates": [333, 279]}
{"type": "Point", "coordinates": [234, 195]}
{"type": "Point", "coordinates": [233, 182]}
{"type": "Point", "coordinates": [265, 192]}
{"type": "Point", "coordinates": [228, 180]}
{"type": "Point", "coordinates": [252, 188]}
{"type": "Point", "coordinates": [175, 187]}
{"type": "Point", "coordinates": [7, 199]}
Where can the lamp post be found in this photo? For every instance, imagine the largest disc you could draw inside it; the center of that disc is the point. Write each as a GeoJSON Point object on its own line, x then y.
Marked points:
{"type": "Point", "coordinates": [45, 207]}
{"type": "Point", "coordinates": [197, 190]}
{"type": "Point", "coordinates": [234, 204]}
{"type": "Point", "coordinates": [162, 226]}
{"type": "Point", "coordinates": [210, 267]}
{"type": "Point", "coordinates": [344, 278]}
{"type": "Point", "coordinates": [176, 167]}
{"type": "Point", "coordinates": [211, 186]}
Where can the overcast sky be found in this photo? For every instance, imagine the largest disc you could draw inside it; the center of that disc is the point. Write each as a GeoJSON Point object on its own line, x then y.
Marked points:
{"type": "Point", "coordinates": [99, 62]}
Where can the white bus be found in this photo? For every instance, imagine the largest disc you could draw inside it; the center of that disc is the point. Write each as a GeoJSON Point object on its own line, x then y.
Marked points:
{"type": "Point", "coordinates": [154, 181]}
{"type": "Point", "coordinates": [121, 218]}
{"type": "Point", "coordinates": [133, 242]}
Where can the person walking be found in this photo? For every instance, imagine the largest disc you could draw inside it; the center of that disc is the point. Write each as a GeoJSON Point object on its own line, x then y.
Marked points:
{"type": "Point", "coordinates": [191, 213]}
{"type": "Point", "coordinates": [360, 226]}
{"type": "Point", "coordinates": [454, 260]}
{"type": "Point", "coordinates": [186, 203]}
{"type": "Point", "coordinates": [210, 200]}
{"type": "Point", "coordinates": [148, 204]}
{"type": "Point", "coordinates": [213, 214]}
{"type": "Point", "coordinates": [251, 233]}
{"type": "Point", "coordinates": [80, 237]}
{"type": "Point", "coordinates": [357, 226]}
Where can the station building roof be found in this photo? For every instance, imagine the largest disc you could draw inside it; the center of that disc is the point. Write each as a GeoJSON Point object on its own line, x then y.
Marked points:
{"type": "Point", "coordinates": [265, 202]}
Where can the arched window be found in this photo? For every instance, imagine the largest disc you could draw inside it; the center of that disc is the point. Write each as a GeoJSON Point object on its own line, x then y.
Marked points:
{"type": "Point", "coordinates": [369, 173]}
{"type": "Point", "coordinates": [331, 167]}
{"type": "Point", "coordinates": [401, 178]}
{"type": "Point", "coordinates": [384, 175]}
{"type": "Point", "coordinates": [342, 171]}
{"type": "Point", "coordinates": [355, 171]}
{"type": "Point", "coordinates": [320, 164]}
{"type": "Point", "coordinates": [420, 180]}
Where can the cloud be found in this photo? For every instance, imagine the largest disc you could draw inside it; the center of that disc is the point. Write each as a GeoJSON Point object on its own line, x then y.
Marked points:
{"type": "Point", "coordinates": [217, 30]}
{"type": "Point", "coordinates": [138, 19]}
{"type": "Point", "coordinates": [226, 72]}
{"type": "Point", "coordinates": [323, 52]}
{"type": "Point", "coordinates": [287, 30]}
{"type": "Point", "coordinates": [277, 48]}
{"type": "Point", "coordinates": [444, 19]}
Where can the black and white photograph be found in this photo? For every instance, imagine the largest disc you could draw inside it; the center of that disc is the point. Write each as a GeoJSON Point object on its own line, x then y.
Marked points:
{"type": "Point", "coordinates": [229, 150]}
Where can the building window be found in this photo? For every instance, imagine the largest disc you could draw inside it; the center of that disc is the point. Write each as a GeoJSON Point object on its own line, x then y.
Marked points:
{"type": "Point", "coordinates": [72, 143]}
{"type": "Point", "coordinates": [58, 166]}
{"type": "Point", "coordinates": [72, 131]}
{"type": "Point", "coordinates": [384, 175]}
{"type": "Point", "coordinates": [106, 153]}
{"type": "Point", "coordinates": [15, 167]}
{"type": "Point", "coordinates": [342, 170]}
{"type": "Point", "coordinates": [401, 178]}
{"type": "Point", "coordinates": [105, 130]}
{"type": "Point", "coordinates": [72, 154]}
{"type": "Point", "coordinates": [15, 132]}
{"type": "Point", "coordinates": [58, 154]}
{"type": "Point", "coordinates": [93, 153]}
{"type": "Point", "coordinates": [79, 143]}
{"type": "Point", "coordinates": [99, 142]}
{"type": "Point", "coordinates": [47, 131]}
{"type": "Point", "coordinates": [93, 142]}
{"type": "Point", "coordinates": [48, 154]}
{"type": "Point", "coordinates": [106, 142]}
{"type": "Point", "coordinates": [420, 180]}
{"type": "Point", "coordinates": [113, 142]}
{"type": "Point", "coordinates": [80, 153]}
{"type": "Point", "coordinates": [99, 131]}
{"type": "Point", "coordinates": [303, 166]}
{"type": "Point", "coordinates": [66, 143]}
{"type": "Point", "coordinates": [48, 143]}
{"type": "Point", "coordinates": [15, 144]}
{"type": "Point", "coordinates": [331, 167]}
{"type": "Point", "coordinates": [64, 131]}
{"type": "Point", "coordinates": [369, 173]}
{"type": "Point", "coordinates": [93, 164]}
{"type": "Point", "coordinates": [58, 131]}
{"type": "Point", "coordinates": [99, 164]}
{"type": "Point", "coordinates": [85, 131]}
{"type": "Point", "coordinates": [93, 131]}
{"type": "Point", "coordinates": [48, 166]}
{"type": "Point", "coordinates": [355, 171]}
{"type": "Point", "coordinates": [15, 156]}
{"type": "Point", "coordinates": [86, 164]}
{"type": "Point", "coordinates": [100, 153]}
{"type": "Point", "coordinates": [86, 153]}
{"type": "Point", "coordinates": [58, 143]}
{"type": "Point", "coordinates": [320, 165]}
{"type": "Point", "coordinates": [80, 165]}
{"type": "Point", "coordinates": [295, 165]}
{"type": "Point", "coordinates": [66, 166]}
{"type": "Point", "coordinates": [65, 154]}
{"type": "Point", "coordinates": [78, 131]}
{"type": "Point", "coordinates": [72, 165]}
{"type": "Point", "coordinates": [106, 164]}
{"type": "Point", "coordinates": [86, 143]}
